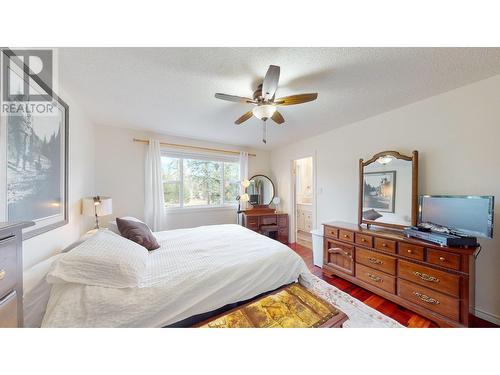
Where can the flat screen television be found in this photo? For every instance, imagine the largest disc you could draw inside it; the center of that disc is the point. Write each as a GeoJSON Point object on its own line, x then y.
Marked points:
{"type": "Point", "coordinates": [469, 215]}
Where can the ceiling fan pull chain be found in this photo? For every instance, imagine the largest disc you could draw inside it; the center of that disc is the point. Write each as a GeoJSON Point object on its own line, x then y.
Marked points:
{"type": "Point", "coordinates": [264, 132]}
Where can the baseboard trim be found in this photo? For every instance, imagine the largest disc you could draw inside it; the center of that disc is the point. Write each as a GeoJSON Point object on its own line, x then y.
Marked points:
{"type": "Point", "coordinates": [487, 316]}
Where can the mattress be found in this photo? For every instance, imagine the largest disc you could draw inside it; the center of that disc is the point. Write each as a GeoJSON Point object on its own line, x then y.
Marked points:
{"type": "Point", "coordinates": [194, 271]}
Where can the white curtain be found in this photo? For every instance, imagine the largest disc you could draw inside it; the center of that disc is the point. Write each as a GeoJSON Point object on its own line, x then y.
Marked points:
{"type": "Point", "coordinates": [243, 173]}
{"type": "Point", "coordinates": [154, 201]}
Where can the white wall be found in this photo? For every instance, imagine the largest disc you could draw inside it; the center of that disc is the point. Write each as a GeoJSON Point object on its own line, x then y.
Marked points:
{"type": "Point", "coordinates": [120, 174]}
{"type": "Point", "coordinates": [81, 184]}
{"type": "Point", "coordinates": [458, 137]}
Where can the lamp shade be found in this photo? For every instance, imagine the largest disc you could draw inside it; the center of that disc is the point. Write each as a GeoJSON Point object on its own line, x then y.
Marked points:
{"type": "Point", "coordinates": [244, 198]}
{"type": "Point", "coordinates": [245, 183]}
{"type": "Point", "coordinates": [101, 206]}
{"type": "Point", "coordinates": [264, 111]}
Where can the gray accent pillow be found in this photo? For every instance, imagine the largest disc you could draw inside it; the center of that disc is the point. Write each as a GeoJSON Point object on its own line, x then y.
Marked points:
{"type": "Point", "coordinates": [138, 232]}
{"type": "Point", "coordinates": [113, 227]}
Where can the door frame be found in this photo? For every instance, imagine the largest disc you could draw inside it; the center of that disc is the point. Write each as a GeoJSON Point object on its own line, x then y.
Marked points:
{"type": "Point", "coordinates": [293, 199]}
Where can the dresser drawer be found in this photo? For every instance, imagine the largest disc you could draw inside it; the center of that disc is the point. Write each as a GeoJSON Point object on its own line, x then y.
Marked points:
{"type": "Point", "coordinates": [430, 299]}
{"type": "Point", "coordinates": [331, 232]}
{"type": "Point", "coordinates": [283, 221]}
{"type": "Point", "coordinates": [411, 251]}
{"type": "Point", "coordinates": [438, 280]}
{"type": "Point", "coordinates": [364, 239]}
{"type": "Point", "coordinates": [252, 222]}
{"type": "Point", "coordinates": [385, 245]}
{"type": "Point", "coordinates": [376, 278]}
{"type": "Point", "coordinates": [269, 220]}
{"type": "Point", "coordinates": [375, 260]}
{"type": "Point", "coordinates": [346, 235]}
{"type": "Point", "coordinates": [8, 311]}
{"type": "Point", "coordinates": [8, 265]}
{"type": "Point", "coordinates": [443, 259]}
{"type": "Point", "coordinates": [339, 256]}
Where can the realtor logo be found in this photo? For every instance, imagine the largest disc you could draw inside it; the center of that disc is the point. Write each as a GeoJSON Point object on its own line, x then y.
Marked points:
{"type": "Point", "coordinates": [27, 75]}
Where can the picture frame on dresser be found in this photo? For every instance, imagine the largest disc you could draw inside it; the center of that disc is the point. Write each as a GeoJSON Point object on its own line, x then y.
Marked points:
{"type": "Point", "coordinates": [34, 163]}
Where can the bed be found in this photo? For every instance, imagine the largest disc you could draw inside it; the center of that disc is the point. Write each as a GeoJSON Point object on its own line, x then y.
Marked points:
{"type": "Point", "coordinates": [195, 271]}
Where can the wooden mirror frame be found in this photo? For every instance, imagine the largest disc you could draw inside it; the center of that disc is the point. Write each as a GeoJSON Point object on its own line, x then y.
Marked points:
{"type": "Point", "coordinates": [414, 189]}
{"type": "Point", "coordinates": [262, 206]}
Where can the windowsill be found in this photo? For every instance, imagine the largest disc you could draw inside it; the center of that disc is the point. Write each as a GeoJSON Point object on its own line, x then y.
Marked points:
{"type": "Point", "coordinates": [186, 210]}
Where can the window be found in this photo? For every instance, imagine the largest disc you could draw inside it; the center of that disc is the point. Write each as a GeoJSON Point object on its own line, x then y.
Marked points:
{"type": "Point", "coordinates": [199, 182]}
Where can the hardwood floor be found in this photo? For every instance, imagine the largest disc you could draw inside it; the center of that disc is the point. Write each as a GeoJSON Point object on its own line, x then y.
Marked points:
{"type": "Point", "coordinates": [396, 312]}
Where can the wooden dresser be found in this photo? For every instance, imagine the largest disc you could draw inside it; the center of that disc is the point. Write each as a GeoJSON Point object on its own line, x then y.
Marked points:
{"type": "Point", "coordinates": [11, 274]}
{"type": "Point", "coordinates": [267, 222]}
{"type": "Point", "coordinates": [435, 282]}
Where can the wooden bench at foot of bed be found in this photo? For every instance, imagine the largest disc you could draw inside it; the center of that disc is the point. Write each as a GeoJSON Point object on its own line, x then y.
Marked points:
{"type": "Point", "coordinates": [291, 306]}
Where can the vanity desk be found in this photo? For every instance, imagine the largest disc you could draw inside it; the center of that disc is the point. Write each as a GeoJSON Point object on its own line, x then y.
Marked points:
{"type": "Point", "coordinates": [267, 222]}
{"type": "Point", "coordinates": [260, 194]}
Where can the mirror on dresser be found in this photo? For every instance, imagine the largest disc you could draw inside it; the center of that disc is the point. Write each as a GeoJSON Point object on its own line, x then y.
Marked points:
{"type": "Point", "coordinates": [388, 189]}
{"type": "Point", "coordinates": [260, 191]}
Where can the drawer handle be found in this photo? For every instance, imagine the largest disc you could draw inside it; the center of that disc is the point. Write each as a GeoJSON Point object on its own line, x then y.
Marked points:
{"type": "Point", "coordinates": [426, 277]}
{"type": "Point", "coordinates": [346, 236]}
{"type": "Point", "coordinates": [375, 261]}
{"type": "Point", "coordinates": [384, 244]}
{"type": "Point", "coordinates": [442, 259]}
{"type": "Point", "coordinates": [409, 251]}
{"type": "Point", "coordinates": [375, 278]}
{"type": "Point", "coordinates": [426, 298]}
{"type": "Point", "coordinates": [363, 240]}
{"type": "Point", "coordinates": [2, 274]}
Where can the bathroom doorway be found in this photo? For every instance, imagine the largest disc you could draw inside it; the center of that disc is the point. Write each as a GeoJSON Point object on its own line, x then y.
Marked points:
{"type": "Point", "coordinates": [303, 200]}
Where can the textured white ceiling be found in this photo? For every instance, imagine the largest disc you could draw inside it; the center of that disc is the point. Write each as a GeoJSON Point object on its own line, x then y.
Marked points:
{"type": "Point", "coordinates": [171, 90]}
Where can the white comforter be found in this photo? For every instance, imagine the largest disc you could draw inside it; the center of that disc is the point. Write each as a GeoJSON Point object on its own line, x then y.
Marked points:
{"type": "Point", "coordinates": [195, 271]}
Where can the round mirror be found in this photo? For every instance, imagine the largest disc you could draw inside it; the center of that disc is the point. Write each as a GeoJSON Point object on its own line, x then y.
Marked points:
{"type": "Point", "coordinates": [260, 190]}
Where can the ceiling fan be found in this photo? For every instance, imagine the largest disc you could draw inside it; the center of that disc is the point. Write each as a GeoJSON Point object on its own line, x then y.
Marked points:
{"type": "Point", "coordinates": [265, 102]}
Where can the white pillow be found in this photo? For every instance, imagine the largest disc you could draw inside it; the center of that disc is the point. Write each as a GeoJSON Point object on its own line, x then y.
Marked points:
{"type": "Point", "coordinates": [112, 226]}
{"type": "Point", "coordinates": [82, 239]}
{"type": "Point", "coordinates": [105, 260]}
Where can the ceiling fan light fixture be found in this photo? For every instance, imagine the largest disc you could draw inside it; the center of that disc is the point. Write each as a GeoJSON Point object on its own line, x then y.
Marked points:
{"type": "Point", "coordinates": [385, 159]}
{"type": "Point", "coordinates": [264, 111]}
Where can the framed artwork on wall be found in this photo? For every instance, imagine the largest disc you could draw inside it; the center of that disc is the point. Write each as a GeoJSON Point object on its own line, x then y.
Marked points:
{"type": "Point", "coordinates": [34, 157]}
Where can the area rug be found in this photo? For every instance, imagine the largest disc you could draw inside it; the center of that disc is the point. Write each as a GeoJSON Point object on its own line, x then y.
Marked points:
{"type": "Point", "coordinates": [292, 306]}
{"type": "Point", "coordinates": [360, 315]}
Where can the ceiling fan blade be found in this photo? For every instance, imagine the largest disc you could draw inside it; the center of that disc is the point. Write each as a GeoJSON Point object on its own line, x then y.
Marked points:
{"type": "Point", "coordinates": [243, 118]}
{"type": "Point", "coordinates": [296, 99]}
{"type": "Point", "coordinates": [277, 118]}
{"type": "Point", "coordinates": [270, 84]}
{"type": "Point", "coordinates": [234, 98]}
